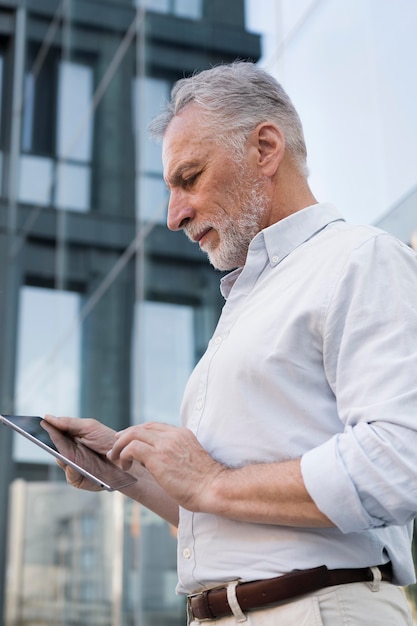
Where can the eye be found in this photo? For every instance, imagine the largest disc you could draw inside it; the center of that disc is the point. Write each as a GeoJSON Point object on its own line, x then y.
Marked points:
{"type": "Point", "coordinates": [189, 182]}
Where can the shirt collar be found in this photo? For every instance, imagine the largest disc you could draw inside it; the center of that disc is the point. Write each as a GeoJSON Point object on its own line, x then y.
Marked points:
{"type": "Point", "coordinates": [284, 236]}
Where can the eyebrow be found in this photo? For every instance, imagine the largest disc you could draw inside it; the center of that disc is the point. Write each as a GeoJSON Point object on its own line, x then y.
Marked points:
{"type": "Point", "coordinates": [177, 176]}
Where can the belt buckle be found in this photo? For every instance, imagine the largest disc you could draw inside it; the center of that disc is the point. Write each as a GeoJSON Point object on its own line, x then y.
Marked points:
{"type": "Point", "coordinates": [224, 586]}
{"type": "Point", "coordinates": [190, 614]}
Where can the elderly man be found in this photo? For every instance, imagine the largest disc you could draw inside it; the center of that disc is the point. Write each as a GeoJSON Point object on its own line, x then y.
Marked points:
{"type": "Point", "coordinates": [293, 476]}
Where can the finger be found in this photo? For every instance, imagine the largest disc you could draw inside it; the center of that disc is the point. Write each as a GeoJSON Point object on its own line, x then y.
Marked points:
{"type": "Point", "coordinates": [124, 437]}
{"type": "Point", "coordinates": [77, 480]}
{"type": "Point", "coordinates": [128, 446]}
{"type": "Point", "coordinates": [147, 430]}
{"type": "Point", "coordinates": [86, 430]}
{"type": "Point", "coordinates": [72, 425]}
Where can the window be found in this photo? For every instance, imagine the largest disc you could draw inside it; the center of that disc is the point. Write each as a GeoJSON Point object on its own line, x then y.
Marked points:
{"type": "Point", "coordinates": [48, 360]}
{"type": "Point", "coordinates": [192, 9]}
{"type": "Point", "coordinates": [151, 193]}
{"type": "Point", "coordinates": [88, 525]}
{"type": "Point", "coordinates": [74, 136]}
{"type": "Point", "coordinates": [57, 135]}
{"type": "Point", "coordinates": [1, 124]}
{"type": "Point", "coordinates": [39, 106]}
{"type": "Point", "coordinates": [88, 559]}
{"type": "Point", "coordinates": [163, 360]}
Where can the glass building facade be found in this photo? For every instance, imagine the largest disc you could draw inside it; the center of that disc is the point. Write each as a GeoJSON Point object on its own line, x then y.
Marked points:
{"type": "Point", "coordinates": [103, 312]}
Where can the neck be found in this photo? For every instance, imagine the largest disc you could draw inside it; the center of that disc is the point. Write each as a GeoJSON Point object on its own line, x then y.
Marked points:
{"type": "Point", "coordinates": [290, 193]}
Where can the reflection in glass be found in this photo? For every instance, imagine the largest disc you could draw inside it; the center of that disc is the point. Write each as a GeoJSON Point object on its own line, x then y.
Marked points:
{"type": "Point", "coordinates": [74, 136]}
{"type": "Point", "coordinates": [149, 95]}
{"type": "Point", "coordinates": [74, 125]}
{"type": "Point", "coordinates": [151, 193]}
{"type": "Point", "coordinates": [153, 199]}
{"type": "Point", "coordinates": [73, 186]}
{"type": "Point", "coordinates": [159, 6]}
{"type": "Point", "coordinates": [35, 181]}
{"type": "Point", "coordinates": [192, 9]}
{"type": "Point", "coordinates": [164, 359]}
{"type": "Point", "coordinates": [49, 352]}
{"type": "Point", "coordinates": [62, 547]}
{"type": "Point", "coordinates": [28, 112]}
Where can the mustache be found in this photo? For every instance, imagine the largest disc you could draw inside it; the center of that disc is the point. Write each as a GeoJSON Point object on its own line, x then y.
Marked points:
{"type": "Point", "coordinates": [194, 231]}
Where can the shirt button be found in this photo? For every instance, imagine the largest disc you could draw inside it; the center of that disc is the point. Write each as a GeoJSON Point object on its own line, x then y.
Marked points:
{"type": "Point", "coordinates": [218, 340]}
{"type": "Point", "coordinates": [274, 259]}
{"type": "Point", "coordinates": [199, 405]}
{"type": "Point", "coordinates": [186, 553]}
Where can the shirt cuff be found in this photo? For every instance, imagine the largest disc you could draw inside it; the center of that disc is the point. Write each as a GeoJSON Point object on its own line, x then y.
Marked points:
{"type": "Point", "coordinates": [330, 486]}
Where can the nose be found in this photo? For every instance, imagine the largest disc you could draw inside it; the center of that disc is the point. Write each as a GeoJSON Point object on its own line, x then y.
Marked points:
{"type": "Point", "coordinates": [180, 212]}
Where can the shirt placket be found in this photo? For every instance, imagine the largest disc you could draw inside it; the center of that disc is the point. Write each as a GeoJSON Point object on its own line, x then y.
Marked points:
{"type": "Point", "coordinates": [234, 304]}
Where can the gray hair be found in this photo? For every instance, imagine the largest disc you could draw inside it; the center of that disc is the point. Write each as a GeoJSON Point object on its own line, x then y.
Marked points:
{"type": "Point", "coordinates": [236, 98]}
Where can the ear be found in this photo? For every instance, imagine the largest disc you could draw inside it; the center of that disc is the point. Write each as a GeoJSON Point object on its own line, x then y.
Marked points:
{"type": "Point", "coordinates": [269, 142]}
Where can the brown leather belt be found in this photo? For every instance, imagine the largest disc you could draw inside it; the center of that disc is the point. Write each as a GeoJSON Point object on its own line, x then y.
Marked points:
{"type": "Point", "coordinates": [212, 604]}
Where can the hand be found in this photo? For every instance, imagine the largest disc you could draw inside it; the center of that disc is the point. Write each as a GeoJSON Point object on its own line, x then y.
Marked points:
{"type": "Point", "coordinates": [90, 432]}
{"type": "Point", "coordinates": [173, 456]}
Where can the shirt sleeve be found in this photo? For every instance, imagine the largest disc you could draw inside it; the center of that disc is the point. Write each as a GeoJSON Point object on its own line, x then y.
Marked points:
{"type": "Point", "coordinates": [366, 476]}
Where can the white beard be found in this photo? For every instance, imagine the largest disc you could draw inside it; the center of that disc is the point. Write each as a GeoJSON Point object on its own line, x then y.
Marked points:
{"type": "Point", "coordinates": [236, 233]}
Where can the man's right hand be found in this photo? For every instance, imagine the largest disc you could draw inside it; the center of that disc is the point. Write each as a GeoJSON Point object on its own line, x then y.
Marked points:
{"type": "Point", "coordinates": [90, 432]}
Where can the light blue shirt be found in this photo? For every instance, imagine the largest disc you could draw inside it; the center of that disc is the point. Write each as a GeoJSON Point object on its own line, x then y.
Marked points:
{"type": "Point", "coordinates": [314, 356]}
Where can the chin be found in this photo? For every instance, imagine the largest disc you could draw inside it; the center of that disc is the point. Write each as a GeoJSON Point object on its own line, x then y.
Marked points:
{"type": "Point", "coordinates": [222, 266]}
{"type": "Point", "coordinates": [223, 262]}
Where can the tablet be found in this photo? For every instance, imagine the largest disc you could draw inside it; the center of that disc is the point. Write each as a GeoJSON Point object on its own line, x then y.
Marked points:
{"type": "Point", "coordinates": [60, 444]}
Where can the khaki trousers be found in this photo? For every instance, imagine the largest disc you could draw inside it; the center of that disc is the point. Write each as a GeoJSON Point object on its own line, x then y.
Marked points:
{"type": "Point", "coordinates": [356, 604]}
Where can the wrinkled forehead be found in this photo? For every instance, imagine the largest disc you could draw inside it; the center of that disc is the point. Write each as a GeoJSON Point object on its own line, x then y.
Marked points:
{"type": "Point", "coordinates": [185, 137]}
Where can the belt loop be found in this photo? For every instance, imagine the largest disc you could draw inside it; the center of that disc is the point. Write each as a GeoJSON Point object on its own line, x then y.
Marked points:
{"type": "Point", "coordinates": [377, 577]}
{"type": "Point", "coordinates": [190, 617]}
{"type": "Point", "coordinates": [233, 602]}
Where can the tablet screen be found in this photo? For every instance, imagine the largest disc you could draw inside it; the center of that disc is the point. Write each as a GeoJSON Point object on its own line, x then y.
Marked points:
{"type": "Point", "coordinates": [90, 464]}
